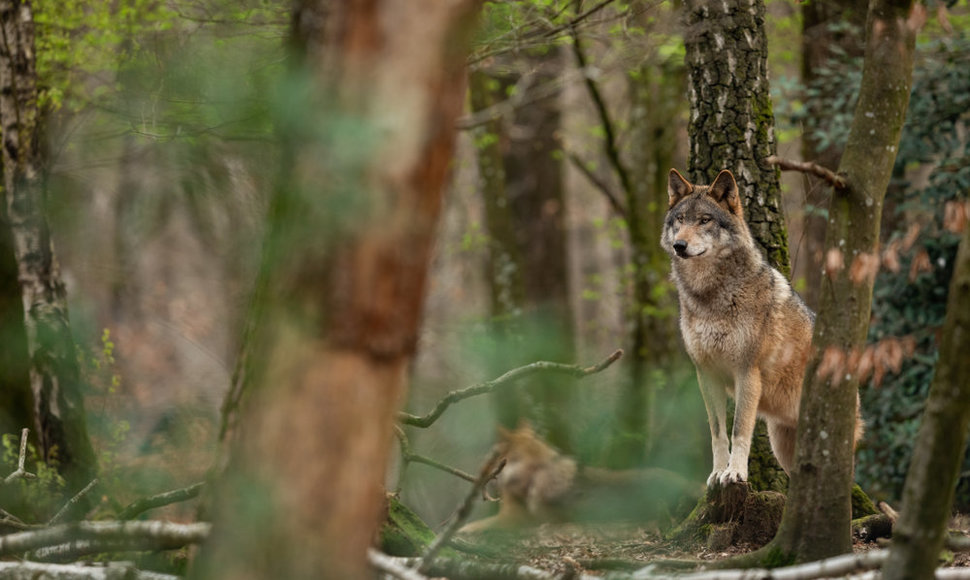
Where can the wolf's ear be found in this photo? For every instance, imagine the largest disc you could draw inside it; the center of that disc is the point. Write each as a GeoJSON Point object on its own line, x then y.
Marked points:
{"type": "Point", "coordinates": [724, 190]}
{"type": "Point", "coordinates": [677, 187]}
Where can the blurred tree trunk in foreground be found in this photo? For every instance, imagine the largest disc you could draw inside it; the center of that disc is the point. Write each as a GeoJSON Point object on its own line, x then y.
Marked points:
{"type": "Point", "coordinates": [815, 523]}
{"type": "Point", "coordinates": [368, 123]}
{"type": "Point", "coordinates": [732, 127]}
{"type": "Point", "coordinates": [55, 380]}
{"type": "Point", "coordinates": [938, 454]}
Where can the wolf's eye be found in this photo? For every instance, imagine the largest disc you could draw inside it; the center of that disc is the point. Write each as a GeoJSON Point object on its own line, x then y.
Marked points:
{"type": "Point", "coordinates": [705, 220]}
{"type": "Point", "coordinates": [680, 218]}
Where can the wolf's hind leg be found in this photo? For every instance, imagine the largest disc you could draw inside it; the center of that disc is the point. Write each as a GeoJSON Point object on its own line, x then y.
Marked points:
{"type": "Point", "coordinates": [782, 439]}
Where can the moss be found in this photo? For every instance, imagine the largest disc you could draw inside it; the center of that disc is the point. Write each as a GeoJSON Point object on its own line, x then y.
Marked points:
{"type": "Point", "coordinates": [775, 557]}
{"type": "Point", "coordinates": [403, 532]}
{"type": "Point", "coordinates": [862, 506]}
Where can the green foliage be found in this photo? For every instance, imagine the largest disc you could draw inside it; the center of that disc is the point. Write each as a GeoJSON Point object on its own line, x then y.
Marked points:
{"type": "Point", "coordinates": [32, 500]}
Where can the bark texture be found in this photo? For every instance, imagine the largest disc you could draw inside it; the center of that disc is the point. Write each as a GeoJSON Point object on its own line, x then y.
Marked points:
{"type": "Point", "coordinates": [375, 95]}
{"type": "Point", "coordinates": [54, 375]}
{"type": "Point", "coordinates": [933, 473]}
{"type": "Point", "coordinates": [816, 520]}
{"type": "Point", "coordinates": [731, 119]}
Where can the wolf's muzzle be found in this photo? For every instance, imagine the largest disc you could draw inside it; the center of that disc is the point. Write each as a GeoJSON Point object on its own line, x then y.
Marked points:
{"type": "Point", "coordinates": [680, 246]}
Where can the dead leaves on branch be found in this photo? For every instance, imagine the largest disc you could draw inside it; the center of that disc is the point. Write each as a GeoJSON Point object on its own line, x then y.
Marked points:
{"type": "Point", "coordinates": [866, 265]}
{"type": "Point", "coordinates": [874, 360]}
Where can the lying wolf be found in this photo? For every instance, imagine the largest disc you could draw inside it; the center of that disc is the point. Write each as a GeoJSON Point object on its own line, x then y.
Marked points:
{"type": "Point", "coordinates": [539, 484]}
{"type": "Point", "coordinates": [748, 333]}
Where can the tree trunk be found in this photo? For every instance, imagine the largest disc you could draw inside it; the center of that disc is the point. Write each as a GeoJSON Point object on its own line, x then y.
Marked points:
{"type": "Point", "coordinates": [731, 119]}
{"type": "Point", "coordinates": [823, 31]}
{"type": "Point", "coordinates": [816, 520]}
{"type": "Point", "coordinates": [54, 375]}
{"type": "Point", "coordinates": [938, 454]}
{"type": "Point", "coordinates": [732, 127]}
{"type": "Point", "coordinates": [655, 90]}
{"type": "Point", "coordinates": [522, 186]}
{"type": "Point", "coordinates": [369, 130]}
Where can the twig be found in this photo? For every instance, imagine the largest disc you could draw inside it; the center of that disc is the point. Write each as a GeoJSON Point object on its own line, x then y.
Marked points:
{"type": "Point", "coordinates": [489, 469]}
{"type": "Point", "coordinates": [396, 567]}
{"type": "Point", "coordinates": [21, 472]}
{"type": "Point", "coordinates": [407, 456]}
{"type": "Point", "coordinates": [610, 147]}
{"type": "Point", "coordinates": [156, 535]}
{"type": "Point", "coordinates": [72, 502]}
{"type": "Point", "coordinates": [469, 568]}
{"type": "Point", "coordinates": [163, 499]}
{"type": "Point", "coordinates": [598, 183]}
{"type": "Point", "coordinates": [489, 386]}
{"type": "Point", "coordinates": [829, 176]}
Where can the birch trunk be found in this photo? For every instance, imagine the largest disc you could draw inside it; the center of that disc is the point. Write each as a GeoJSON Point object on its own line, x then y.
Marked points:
{"type": "Point", "coordinates": [54, 375]}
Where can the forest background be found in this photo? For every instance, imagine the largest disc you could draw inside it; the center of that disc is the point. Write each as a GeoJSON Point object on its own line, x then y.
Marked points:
{"type": "Point", "coordinates": [162, 152]}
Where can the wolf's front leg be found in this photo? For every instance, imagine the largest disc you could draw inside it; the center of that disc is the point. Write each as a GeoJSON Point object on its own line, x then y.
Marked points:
{"type": "Point", "coordinates": [715, 401]}
{"type": "Point", "coordinates": [747, 394]}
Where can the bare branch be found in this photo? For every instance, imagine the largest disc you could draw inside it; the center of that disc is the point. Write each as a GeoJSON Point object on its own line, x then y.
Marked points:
{"type": "Point", "coordinates": [21, 472]}
{"type": "Point", "coordinates": [72, 502]}
{"type": "Point", "coordinates": [829, 568]}
{"type": "Point", "coordinates": [395, 567]}
{"type": "Point", "coordinates": [610, 147]}
{"type": "Point", "coordinates": [599, 184]}
{"type": "Point", "coordinates": [512, 375]}
{"type": "Point", "coordinates": [829, 176]}
{"type": "Point", "coordinates": [154, 535]}
{"type": "Point", "coordinates": [408, 456]}
{"type": "Point", "coordinates": [489, 470]}
{"type": "Point", "coordinates": [163, 499]}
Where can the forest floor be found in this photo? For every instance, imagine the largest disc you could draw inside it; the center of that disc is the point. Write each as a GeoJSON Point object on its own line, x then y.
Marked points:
{"type": "Point", "coordinates": [602, 548]}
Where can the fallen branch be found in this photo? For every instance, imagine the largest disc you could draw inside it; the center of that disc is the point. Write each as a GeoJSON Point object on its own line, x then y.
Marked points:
{"type": "Point", "coordinates": [396, 567]}
{"type": "Point", "coordinates": [154, 535]}
{"type": "Point", "coordinates": [163, 499]}
{"type": "Point", "coordinates": [20, 471]}
{"type": "Point", "coordinates": [512, 375]}
{"type": "Point", "coordinates": [461, 568]}
{"type": "Point", "coordinates": [829, 176]}
{"type": "Point", "coordinates": [831, 567]}
{"type": "Point", "coordinates": [492, 466]}
{"type": "Point", "coordinates": [113, 571]}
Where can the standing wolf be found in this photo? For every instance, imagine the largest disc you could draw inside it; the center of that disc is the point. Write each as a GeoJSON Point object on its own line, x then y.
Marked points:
{"type": "Point", "coordinates": [746, 330]}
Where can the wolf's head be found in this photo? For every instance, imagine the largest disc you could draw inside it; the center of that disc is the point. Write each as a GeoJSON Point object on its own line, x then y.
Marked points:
{"type": "Point", "coordinates": [703, 219]}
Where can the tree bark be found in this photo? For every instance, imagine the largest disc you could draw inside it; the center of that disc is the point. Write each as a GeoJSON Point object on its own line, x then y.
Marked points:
{"type": "Point", "coordinates": [937, 456]}
{"type": "Point", "coordinates": [54, 375]}
{"type": "Point", "coordinates": [816, 520]}
{"type": "Point", "coordinates": [369, 136]}
{"type": "Point", "coordinates": [732, 127]}
{"type": "Point", "coordinates": [823, 30]}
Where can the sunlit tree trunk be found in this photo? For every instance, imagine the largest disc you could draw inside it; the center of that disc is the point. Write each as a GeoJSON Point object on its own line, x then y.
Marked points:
{"type": "Point", "coordinates": [368, 122]}
{"type": "Point", "coordinates": [54, 375]}
{"type": "Point", "coordinates": [816, 519]}
{"type": "Point", "coordinates": [938, 453]}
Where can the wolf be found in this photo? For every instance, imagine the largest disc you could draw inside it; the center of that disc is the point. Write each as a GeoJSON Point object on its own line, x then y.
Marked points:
{"type": "Point", "coordinates": [747, 331]}
{"type": "Point", "coordinates": [539, 484]}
